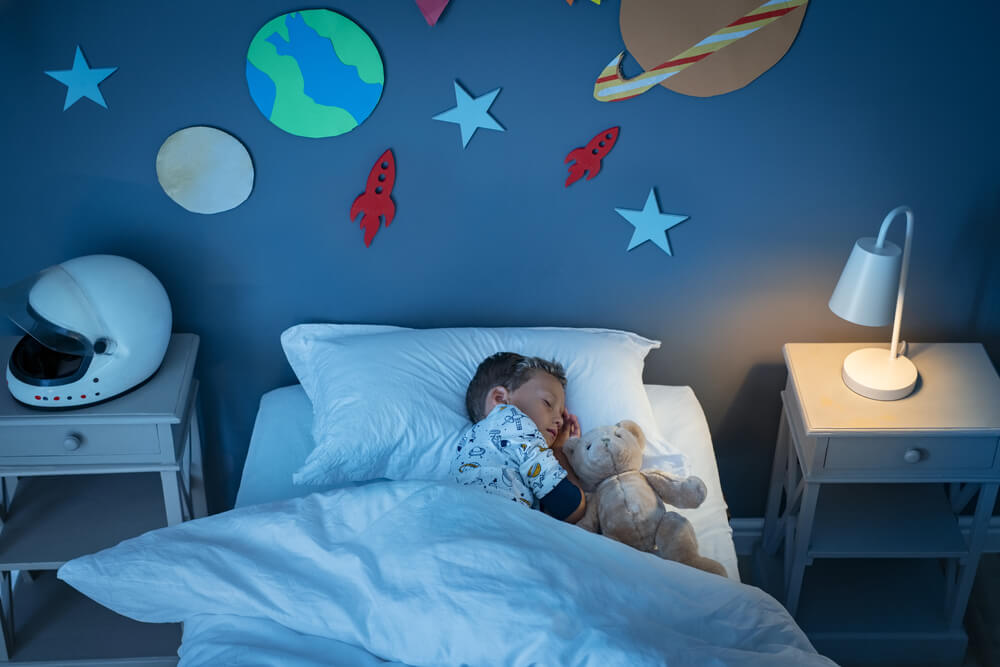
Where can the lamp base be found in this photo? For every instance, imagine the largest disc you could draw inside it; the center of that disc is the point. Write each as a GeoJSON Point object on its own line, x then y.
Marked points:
{"type": "Point", "coordinates": [873, 374]}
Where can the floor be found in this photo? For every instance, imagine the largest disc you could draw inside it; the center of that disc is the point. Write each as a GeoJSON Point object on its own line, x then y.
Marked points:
{"type": "Point", "coordinates": [982, 621]}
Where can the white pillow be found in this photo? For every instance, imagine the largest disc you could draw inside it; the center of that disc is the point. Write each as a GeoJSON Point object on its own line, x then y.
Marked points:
{"type": "Point", "coordinates": [391, 404]}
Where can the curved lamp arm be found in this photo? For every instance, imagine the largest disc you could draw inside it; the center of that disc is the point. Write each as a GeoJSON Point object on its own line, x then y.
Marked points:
{"type": "Point", "coordinates": [883, 230]}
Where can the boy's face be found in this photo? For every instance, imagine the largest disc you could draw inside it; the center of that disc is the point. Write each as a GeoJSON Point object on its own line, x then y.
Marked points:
{"type": "Point", "coordinates": [543, 399]}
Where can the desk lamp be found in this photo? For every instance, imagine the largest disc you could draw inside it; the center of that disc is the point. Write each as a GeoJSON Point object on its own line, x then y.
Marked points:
{"type": "Point", "coordinates": [875, 271]}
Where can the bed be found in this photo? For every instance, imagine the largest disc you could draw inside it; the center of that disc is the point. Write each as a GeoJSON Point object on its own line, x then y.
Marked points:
{"type": "Point", "coordinates": [421, 571]}
{"type": "Point", "coordinates": [281, 440]}
{"type": "Point", "coordinates": [279, 444]}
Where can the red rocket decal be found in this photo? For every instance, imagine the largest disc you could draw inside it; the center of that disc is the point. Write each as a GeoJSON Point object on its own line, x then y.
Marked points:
{"type": "Point", "coordinates": [375, 202]}
{"type": "Point", "coordinates": [588, 159]}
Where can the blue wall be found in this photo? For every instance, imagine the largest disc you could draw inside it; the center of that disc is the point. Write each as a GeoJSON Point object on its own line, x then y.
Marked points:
{"type": "Point", "coordinates": [876, 104]}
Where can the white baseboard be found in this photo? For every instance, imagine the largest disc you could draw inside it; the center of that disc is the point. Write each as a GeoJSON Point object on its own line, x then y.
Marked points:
{"type": "Point", "coordinates": [747, 531]}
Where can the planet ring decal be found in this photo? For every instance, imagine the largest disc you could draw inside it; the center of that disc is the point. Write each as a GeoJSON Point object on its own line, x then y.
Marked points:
{"type": "Point", "coordinates": [654, 33]}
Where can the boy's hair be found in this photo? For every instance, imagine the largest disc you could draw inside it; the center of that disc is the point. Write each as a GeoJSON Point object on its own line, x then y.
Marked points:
{"type": "Point", "coordinates": [509, 370]}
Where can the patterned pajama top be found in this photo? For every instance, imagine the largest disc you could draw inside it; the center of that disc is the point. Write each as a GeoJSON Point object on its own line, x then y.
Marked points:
{"type": "Point", "coordinates": [507, 455]}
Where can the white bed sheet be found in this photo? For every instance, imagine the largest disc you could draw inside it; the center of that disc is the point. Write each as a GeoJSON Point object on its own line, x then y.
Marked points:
{"type": "Point", "coordinates": [282, 439]}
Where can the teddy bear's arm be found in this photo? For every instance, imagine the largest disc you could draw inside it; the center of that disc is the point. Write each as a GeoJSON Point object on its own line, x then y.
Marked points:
{"type": "Point", "coordinates": [590, 519]}
{"type": "Point", "coordinates": [682, 492]}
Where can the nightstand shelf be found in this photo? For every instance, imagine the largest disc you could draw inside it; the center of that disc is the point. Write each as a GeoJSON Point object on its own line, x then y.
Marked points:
{"type": "Point", "coordinates": [849, 596]}
{"type": "Point", "coordinates": [862, 536]}
{"type": "Point", "coordinates": [891, 609]}
{"type": "Point", "coordinates": [55, 622]}
{"type": "Point", "coordinates": [885, 521]}
{"type": "Point", "coordinates": [55, 519]}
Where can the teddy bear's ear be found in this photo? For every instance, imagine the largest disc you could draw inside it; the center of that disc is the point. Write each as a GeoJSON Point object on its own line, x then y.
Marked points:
{"type": "Point", "coordinates": [634, 429]}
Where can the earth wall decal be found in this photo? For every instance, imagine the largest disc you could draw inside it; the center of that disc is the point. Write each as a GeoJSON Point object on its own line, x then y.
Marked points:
{"type": "Point", "coordinates": [314, 73]}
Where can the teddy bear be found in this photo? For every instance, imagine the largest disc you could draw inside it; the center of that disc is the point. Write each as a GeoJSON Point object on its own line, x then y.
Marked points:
{"type": "Point", "coordinates": [624, 502]}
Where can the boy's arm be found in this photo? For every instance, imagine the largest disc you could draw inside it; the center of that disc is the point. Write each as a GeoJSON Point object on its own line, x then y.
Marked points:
{"type": "Point", "coordinates": [591, 520]}
{"type": "Point", "coordinates": [581, 508]}
{"type": "Point", "coordinates": [565, 502]}
{"type": "Point", "coordinates": [571, 493]}
{"type": "Point", "coordinates": [564, 462]}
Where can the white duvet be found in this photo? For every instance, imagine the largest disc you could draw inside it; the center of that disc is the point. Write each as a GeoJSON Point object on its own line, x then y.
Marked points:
{"type": "Point", "coordinates": [428, 574]}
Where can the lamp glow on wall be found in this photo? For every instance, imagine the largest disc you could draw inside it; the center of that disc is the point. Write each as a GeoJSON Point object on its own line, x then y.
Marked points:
{"type": "Point", "coordinates": [875, 273]}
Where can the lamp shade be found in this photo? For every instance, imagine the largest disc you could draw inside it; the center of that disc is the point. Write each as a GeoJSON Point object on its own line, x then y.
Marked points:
{"type": "Point", "coordinates": [866, 291]}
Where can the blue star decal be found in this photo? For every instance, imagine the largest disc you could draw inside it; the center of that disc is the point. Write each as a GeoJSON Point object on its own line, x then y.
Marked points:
{"type": "Point", "coordinates": [81, 81]}
{"type": "Point", "coordinates": [650, 224]}
{"type": "Point", "coordinates": [471, 113]}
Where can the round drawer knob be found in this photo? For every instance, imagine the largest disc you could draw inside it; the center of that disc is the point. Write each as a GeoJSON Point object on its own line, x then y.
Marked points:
{"type": "Point", "coordinates": [912, 456]}
{"type": "Point", "coordinates": [72, 442]}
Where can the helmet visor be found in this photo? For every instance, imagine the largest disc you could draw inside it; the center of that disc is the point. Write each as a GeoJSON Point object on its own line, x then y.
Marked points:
{"type": "Point", "coordinates": [52, 308]}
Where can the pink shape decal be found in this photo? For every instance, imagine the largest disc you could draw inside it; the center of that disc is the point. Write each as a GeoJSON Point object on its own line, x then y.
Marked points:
{"type": "Point", "coordinates": [431, 9]}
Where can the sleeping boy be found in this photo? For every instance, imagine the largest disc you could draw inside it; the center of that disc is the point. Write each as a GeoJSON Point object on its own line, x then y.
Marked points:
{"type": "Point", "coordinates": [514, 447]}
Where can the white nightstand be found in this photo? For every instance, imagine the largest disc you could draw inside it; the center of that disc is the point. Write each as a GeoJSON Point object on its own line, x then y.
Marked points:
{"type": "Point", "coordinates": [865, 495]}
{"type": "Point", "coordinates": [77, 481]}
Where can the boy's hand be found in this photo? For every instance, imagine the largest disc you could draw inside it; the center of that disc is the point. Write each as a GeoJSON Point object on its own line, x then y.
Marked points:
{"type": "Point", "coordinates": [570, 429]}
{"type": "Point", "coordinates": [573, 423]}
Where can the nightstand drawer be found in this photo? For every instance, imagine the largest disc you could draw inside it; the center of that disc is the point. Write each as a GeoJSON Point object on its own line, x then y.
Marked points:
{"type": "Point", "coordinates": [78, 441]}
{"type": "Point", "coordinates": [911, 454]}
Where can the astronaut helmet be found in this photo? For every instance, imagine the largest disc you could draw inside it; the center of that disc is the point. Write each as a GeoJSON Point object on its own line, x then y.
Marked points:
{"type": "Point", "coordinates": [95, 327]}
